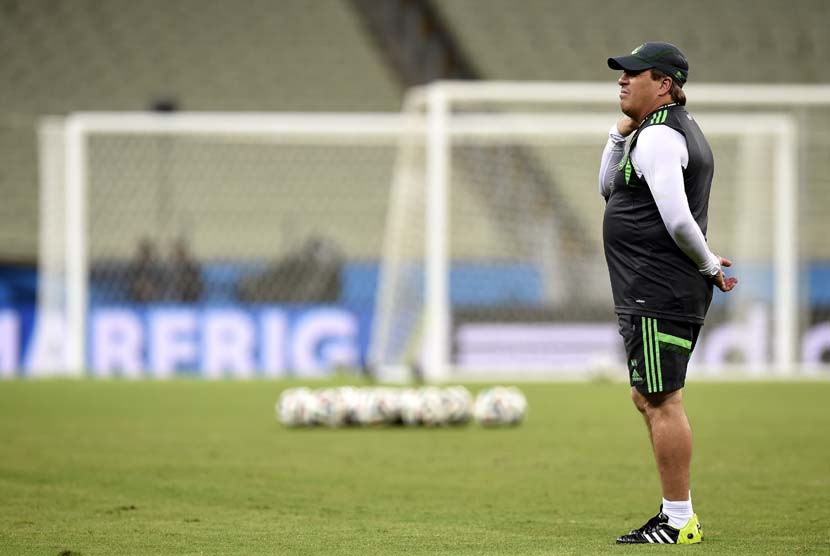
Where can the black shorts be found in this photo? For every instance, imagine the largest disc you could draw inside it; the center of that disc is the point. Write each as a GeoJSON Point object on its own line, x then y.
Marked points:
{"type": "Point", "coordinates": [658, 351]}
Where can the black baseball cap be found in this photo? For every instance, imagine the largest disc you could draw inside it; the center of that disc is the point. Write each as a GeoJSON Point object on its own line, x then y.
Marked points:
{"type": "Point", "coordinates": [660, 55]}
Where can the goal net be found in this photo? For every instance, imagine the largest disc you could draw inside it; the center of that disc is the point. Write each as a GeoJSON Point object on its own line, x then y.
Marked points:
{"type": "Point", "coordinates": [493, 265]}
{"type": "Point", "coordinates": [457, 240]}
{"type": "Point", "coordinates": [215, 244]}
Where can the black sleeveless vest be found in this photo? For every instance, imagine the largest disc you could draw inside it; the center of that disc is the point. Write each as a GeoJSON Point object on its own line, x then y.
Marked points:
{"type": "Point", "coordinates": [650, 275]}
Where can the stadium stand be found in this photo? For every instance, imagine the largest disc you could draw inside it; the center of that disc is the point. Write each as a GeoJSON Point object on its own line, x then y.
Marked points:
{"type": "Point", "coordinates": [415, 40]}
{"type": "Point", "coordinates": [748, 41]}
{"type": "Point", "coordinates": [299, 55]}
{"type": "Point", "coordinates": [60, 57]}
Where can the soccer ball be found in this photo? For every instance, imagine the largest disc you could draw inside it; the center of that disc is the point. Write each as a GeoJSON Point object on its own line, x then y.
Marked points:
{"type": "Point", "coordinates": [500, 405]}
{"type": "Point", "coordinates": [297, 407]}
{"type": "Point", "coordinates": [348, 398]}
{"type": "Point", "coordinates": [431, 406]}
{"type": "Point", "coordinates": [428, 406]}
{"type": "Point", "coordinates": [377, 406]}
{"type": "Point", "coordinates": [459, 405]}
{"type": "Point", "coordinates": [434, 408]}
{"type": "Point", "coordinates": [410, 407]}
{"type": "Point", "coordinates": [335, 407]}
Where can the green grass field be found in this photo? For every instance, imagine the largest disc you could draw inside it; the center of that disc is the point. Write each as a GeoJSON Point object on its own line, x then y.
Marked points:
{"type": "Point", "coordinates": [191, 467]}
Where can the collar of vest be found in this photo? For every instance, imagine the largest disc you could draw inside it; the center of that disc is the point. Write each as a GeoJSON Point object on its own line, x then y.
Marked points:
{"type": "Point", "coordinates": [661, 107]}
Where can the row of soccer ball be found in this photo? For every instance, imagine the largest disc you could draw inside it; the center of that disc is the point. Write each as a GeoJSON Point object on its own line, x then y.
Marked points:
{"type": "Point", "coordinates": [429, 406]}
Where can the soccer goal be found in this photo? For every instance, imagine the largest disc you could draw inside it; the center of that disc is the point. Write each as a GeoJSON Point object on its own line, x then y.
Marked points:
{"type": "Point", "coordinates": [282, 214]}
{"type": "Point", "coordinates": [459, 239]}
{"type": "Point", "coordinates": [493, 265]}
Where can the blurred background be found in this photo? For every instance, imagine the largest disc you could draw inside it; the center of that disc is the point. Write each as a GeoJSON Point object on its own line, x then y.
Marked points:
{"type": "Point", "coordinates": [255, 244]}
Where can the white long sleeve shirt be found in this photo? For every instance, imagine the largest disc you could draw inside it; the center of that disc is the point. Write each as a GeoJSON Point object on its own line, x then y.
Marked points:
{"type": "Point", "coordinates": [660, 158]}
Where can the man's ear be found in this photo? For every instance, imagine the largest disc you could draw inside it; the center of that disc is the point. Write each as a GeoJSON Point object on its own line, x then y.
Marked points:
{"type": "Point", "coordinates": [665, 86]}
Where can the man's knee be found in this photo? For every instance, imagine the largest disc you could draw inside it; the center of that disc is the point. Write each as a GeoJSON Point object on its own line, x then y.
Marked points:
{"type": "Point", "coordinates": [640, 401]}
{"type": "Point", "coordinates": [656, 403]}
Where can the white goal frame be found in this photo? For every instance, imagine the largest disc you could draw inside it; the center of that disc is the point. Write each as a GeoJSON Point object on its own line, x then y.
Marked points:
{"type": "Point", "coordinates": [438, 101]}
{"type": "Point", "coordinates": [78, 128]}
{"type": "Point", "coordinates": [437, 123]}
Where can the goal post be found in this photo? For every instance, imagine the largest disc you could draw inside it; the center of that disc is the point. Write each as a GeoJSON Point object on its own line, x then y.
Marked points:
{"type": "Point", "coordinates": [760, 126]}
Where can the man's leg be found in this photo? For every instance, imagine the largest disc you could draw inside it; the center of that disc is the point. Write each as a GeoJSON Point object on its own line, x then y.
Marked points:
{"type": "Point", "coordinates": [671, 439]}
{"type": "Point", "coordinates": [658, 355]}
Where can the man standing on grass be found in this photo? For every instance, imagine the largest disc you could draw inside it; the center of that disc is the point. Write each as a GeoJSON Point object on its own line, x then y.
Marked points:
{"type": "Point", "coordinates": [662, 271]}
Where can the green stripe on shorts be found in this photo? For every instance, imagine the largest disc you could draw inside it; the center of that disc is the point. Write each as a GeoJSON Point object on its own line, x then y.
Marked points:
{"type": "Point", "coordinates": [651, 352]}
{"type": "Point", "coordinates": [684, 345]}
{"type": "Point", "coordinates": [656, 336]}
{"type": "Point", "coordinates": [646, 353]}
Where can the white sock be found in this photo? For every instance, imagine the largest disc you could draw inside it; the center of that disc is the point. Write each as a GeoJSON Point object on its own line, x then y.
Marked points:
{"type": "Point", "coordinates": [679, 511]}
